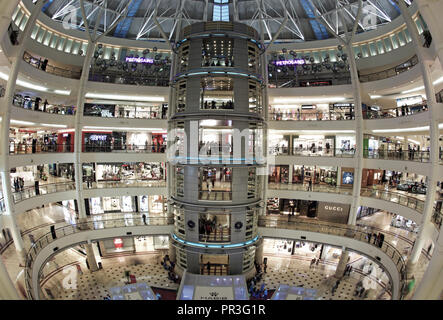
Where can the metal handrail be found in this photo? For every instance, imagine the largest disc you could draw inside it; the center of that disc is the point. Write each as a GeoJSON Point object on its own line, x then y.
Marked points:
{"type": "Point", "coordinates": [396, 197]}
{"type": "Point", "coordinates": [352, 232]}
{"type": "Point", "coordinates": [30, 192]}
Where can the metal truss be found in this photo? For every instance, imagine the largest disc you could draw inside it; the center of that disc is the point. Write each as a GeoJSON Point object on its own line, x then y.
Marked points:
{"type": "Point", "coordinates": [166, 17]}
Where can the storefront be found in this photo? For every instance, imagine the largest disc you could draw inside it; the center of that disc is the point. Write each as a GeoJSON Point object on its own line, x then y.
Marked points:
{"type": "Point", "coordinates": [323, 211]}
{"type": "Point", "coordinates": [308, 145]}
{"type": "Point", "coordinates": [278, 144]}
{"type": "Point", "coordinates": [99, 110]}
{"type": "Point", "coordinates": [317, 175]}
{"type": "Point", "coordinates": [142, 244]}
{"type": "Point", "coordinates": [278, 174]}
{"type": "Point", "coordinates": [155, 205]}
{"type": "Point", "coordinates": [365, 212]}
{"type": "Point", "coordinates": [119, 204]}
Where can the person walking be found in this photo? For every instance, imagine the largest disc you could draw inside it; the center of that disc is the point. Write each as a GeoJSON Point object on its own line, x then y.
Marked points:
{"type": "Point", "coordinates": [312, 262]}
{"type": "Point", "coordinates": [144, 218]}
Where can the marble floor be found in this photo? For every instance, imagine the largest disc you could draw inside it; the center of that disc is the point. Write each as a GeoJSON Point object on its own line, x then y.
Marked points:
{"type": "Point", "coordinates": [37, 222]}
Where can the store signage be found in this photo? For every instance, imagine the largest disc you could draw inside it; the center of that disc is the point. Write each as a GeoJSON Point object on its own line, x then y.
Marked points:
{"type": "Point", "coordinates": [98, 137]}
{"type": "Point", "coordinates": [118, 243]}
{"type": "Point", "coordinates": [213, 293]}
{"type": "Point", "coordinates": [289, 62]}
{"type": "Point", "coordinates": [333, 212]}
{"type": "Point", "coordinates": [343, 105]}
{"type": "Point", "coordinates": [139, 60]}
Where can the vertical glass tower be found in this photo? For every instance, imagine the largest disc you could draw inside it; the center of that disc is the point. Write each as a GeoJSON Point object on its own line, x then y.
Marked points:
{"type": "Point", "coordinates": [215, 148]}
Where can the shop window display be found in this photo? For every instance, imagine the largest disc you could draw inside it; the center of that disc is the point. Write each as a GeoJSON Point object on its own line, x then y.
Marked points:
{"type": "Point", "coordinates": [314, 175]}
{"type": "Point", "coordinates": [217, 52]}
{"type": "Point", "coordinates": [215, 183]}
{"type": "Point", "coordinates": [214, 227]}
{"type": "Point", "coordinates": [217, 93]}
{"type": "Point", "coordinates": [278, 174]}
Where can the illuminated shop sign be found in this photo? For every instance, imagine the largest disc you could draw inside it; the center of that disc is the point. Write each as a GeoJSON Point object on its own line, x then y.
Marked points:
{"type": "Point", "coordinates": [289, 62]}
{"type": "Point", "coordinates": [98, 137]}
{"type": "Point", "coordinates": [139, 60]}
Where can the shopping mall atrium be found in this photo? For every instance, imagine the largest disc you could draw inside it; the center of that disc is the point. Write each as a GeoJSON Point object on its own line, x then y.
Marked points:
{"type": "Point", "coordinates": [221, 149]}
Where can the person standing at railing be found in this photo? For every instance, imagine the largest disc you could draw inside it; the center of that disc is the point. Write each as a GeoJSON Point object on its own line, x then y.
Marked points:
{"type": "Point", "coordinates": [45, 104]}
{"type": "Point", "coordinates": [44, 64]}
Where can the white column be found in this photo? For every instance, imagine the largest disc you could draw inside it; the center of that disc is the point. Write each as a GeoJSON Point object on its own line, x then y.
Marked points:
{"type": "Point", "coordinates": [341, 266]}
{"type": "Point", "coordinates": [431, 285]}
{"type": "Point", "coordinates": [358, 157]}
{"type": "Point", "coordinates": [431, 12]}
{"type": "Point", "coordinates": [8, 7]}
{"type": "Point", "coordinates": [434, 135]}
{"type": "Point", "coordinates": [7, 288]}
{"type": "Point", "coordinates": [90, 256]}
{"type": "Point", "coordinates": [78, 140]}
{"type": "Point", "coordinates": [6, 102]}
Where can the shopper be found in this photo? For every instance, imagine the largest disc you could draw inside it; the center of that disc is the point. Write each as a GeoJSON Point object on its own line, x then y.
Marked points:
{"type": "Point", "coordinates": [144, 218]}
{"type": "Point", "coordinates": [312, 262]}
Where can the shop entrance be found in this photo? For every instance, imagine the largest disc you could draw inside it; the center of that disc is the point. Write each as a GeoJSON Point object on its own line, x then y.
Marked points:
{"type": "Point", "coordinates": [214, 264]}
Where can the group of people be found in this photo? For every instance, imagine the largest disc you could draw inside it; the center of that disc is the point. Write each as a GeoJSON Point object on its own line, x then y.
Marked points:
{"type": "Point", "coordinates": [169, 266]}
{"type": "Point", "coordinates": [218, 62]}
{"type": "Point", "coordinates": [208, 226]}
{"type": "Point", "coordinates": [314, 261]}
{"type": "Point", "coordinates": [262, 292]}
{"type": "Point", "coordinates": [359, 290]}
{"type": "Point", "coordinates": [28, 103]}
{"type": "Point", "coordinates": [213, 105]}
{"type": "Point", "coordinates": [19, 184]}
{"type": "Point", "coordinates": [377, 239]}
{"type": "Point", "coordinates": [347, 271]}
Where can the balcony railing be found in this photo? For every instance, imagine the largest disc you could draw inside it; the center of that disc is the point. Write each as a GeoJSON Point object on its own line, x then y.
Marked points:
{"type": "Point", "coordinates": [30, 192]}
{"type": "Point", "coordinates": [29, 103]}
{"type": "Point", "coordinates": [313, 188]}
{"type": "Point", "coordinates": [125, 148]}
{"type": "Point", "coordinates": [125, 183]}
{"type": "Point", "coordinates": [395, 197]}
{"type": "Point", "coordinates": [295, 115]}
{"type": "Point", "coordinates": [313, 152]}
{"type": "Point", "coordinates": [48, 238]}
{"type": "Point", "coordinates": [27, 148]}
{"type": "Point", "coordinates": [406, 155]}
{"type": "Point", "coordinates": [352, 232]}
{"type": "Point", "coordinates": [39, 64]}
{"type": "Point", "coordinates": [309, 116]}
{"type": "Point", "coordinates": [207, 195]}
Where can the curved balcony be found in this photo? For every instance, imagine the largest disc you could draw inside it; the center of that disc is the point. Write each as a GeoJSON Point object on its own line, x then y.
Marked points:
{"type": "Point", "coordinates": [64, 234]}
{"type": "Point", "coordinates": [42, 147]}
{"type": "Point", "coordinates": [351, 232]}
{"type": "Point", "coordinates": [406, 155]}
{"type": "Point", "coordinates": [31, 192]}
{"type": "Point", "coordinates": [312, 152]}
{"type": "Point", "coordinates": [394, 197]}
{"type": "Point", "coordinates": [389, 113]}
{"type": "Point", "coordinates": [45, 67]}
{"type": "Point", "coordinates": [328, 74]}
{"type": "Point", "coordinates": [313, 188]}
{"type": "Point", "coordinates": [127, 183]}
{"type": "Point", "coordinates": [415, 205]}
{"type": "Point", "coordinates": [38, 105]}
{"type": "Point", "coordinates": [44, 189]}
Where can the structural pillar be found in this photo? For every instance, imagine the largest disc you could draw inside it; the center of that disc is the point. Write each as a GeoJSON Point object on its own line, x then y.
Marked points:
{"type": "Point", "coordinates": [90, 256]}
{"type": "Point", "coordinates": [7, 288]}
{"type": "Point", "coordinates": [78, 130]}
{"type": "Point", "coordinates": [341, 266]}
{"type": "Point", "coordinates": [431, 11]}
{"type": "Point", "coordinates": [431, 285]}
{"type": "Point", "coordinates": [433, 133]}
{"type": "Point", "coordinates": [6, 103]}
